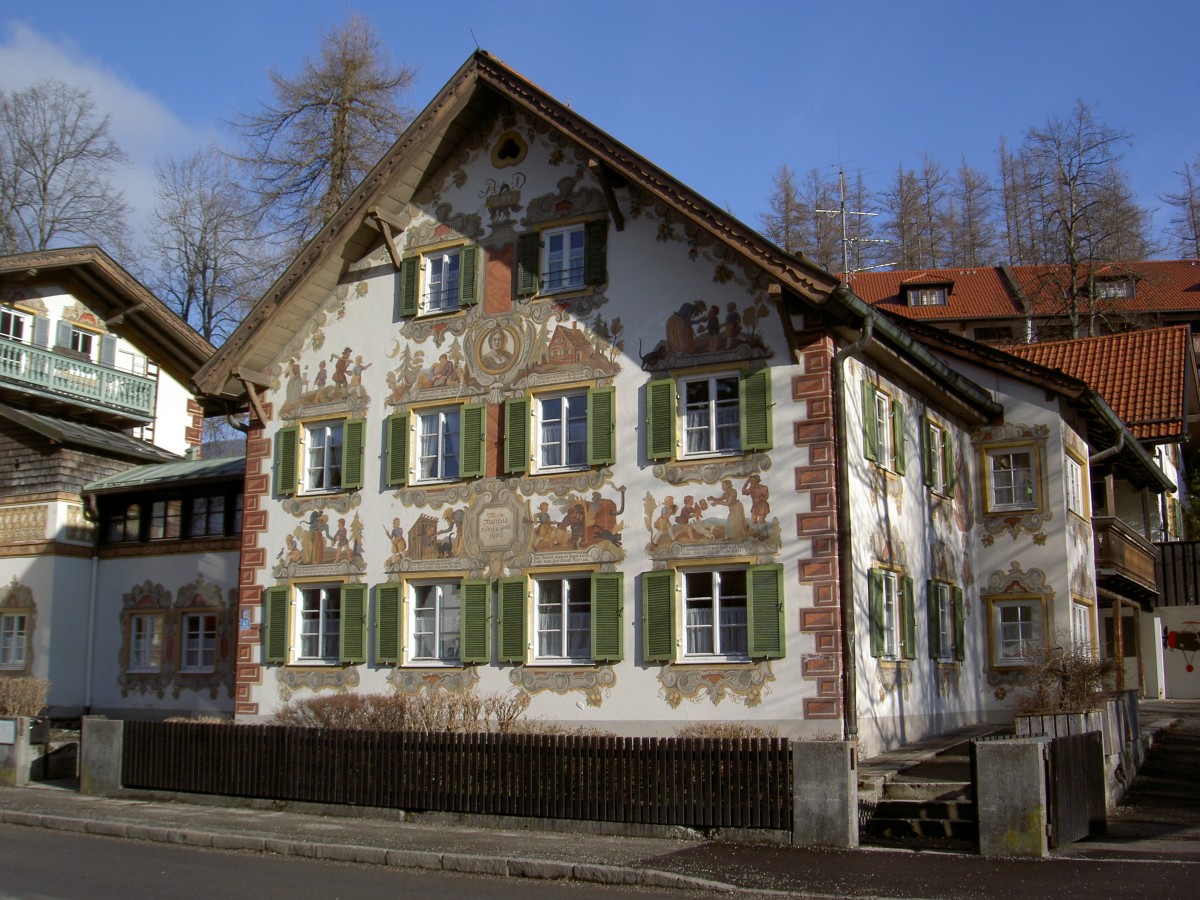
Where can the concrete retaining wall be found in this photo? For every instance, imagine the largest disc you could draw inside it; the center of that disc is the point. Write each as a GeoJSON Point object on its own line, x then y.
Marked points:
{"type": "Point", "coordinates": [15, 751]}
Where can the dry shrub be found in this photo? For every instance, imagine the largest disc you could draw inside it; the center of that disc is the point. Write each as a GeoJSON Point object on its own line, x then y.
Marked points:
{"type": "Point", "coordinates": [23, 696]}
{"type": "Point", "coordinates": [429, 712]}
{"type": "Point", "coordinates": [1062, 679]}
{"type": "Point", "coordinates": [201, 719]}
{"type": "Point", "coordinates": [735, 730]}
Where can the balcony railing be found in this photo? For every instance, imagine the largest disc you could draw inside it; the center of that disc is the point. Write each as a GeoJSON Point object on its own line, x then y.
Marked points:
{"type": "Point", "coordinates": [1179, 573]}
{"type": "Point", "coordinates": [60, 376]}
{"type": "Point", "coordinates": [1124, 555]}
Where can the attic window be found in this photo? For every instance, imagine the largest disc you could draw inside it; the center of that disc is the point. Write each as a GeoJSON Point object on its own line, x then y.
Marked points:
{"type": "Point", "coordinates": [1114, 289]}
{"type": "Point", "coordinates": [509, 150]}
{"type": "Point", "coordinates": [927, 296]}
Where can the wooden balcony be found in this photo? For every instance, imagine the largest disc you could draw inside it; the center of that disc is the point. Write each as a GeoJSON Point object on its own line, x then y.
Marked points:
{"type": "Point", "coordinates": [1124, 560]}
{"type": "Point", "coordinates": [61, 378]}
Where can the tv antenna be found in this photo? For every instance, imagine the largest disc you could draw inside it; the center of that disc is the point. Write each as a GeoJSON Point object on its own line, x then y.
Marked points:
{"type": "Point", "coordinates": [846, 239]}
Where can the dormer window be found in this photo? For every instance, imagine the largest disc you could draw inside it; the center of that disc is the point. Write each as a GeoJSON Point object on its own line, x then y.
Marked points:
{"type": "Point", "coordinates": [927, 296]}
{"type": "Point", "coordinates": [1114, 289]}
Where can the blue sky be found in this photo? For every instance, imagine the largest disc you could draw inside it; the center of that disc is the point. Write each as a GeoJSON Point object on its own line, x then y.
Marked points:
{"type": "Point", "coordinates": [718, 94]}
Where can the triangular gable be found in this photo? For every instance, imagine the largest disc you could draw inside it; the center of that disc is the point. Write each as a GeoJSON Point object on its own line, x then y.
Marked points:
{"type": "Point", "coordinates": [467, 100]}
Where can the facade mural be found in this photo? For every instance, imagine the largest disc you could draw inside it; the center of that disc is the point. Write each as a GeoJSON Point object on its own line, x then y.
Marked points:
{"type": "Point", "coordinates": [320, 545]}
{"type": "Point", "coordinates": [712, 524]}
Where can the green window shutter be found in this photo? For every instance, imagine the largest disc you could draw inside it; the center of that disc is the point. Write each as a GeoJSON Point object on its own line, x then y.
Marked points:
{"type": "Point", "coordinates": [516, 434]}
{"type": "Point", "coordinates": [387, 623]}
{"type": "Point", "coordinates": [529, 248]}
{"type": "Point", "coordinates": [397, 449]}
{"type": "Point", "coordinates": [608, 603]}
{"type": "Point", "coordinates": [287, 451]}
{"type": "Point", "coordinates": [948, 462]}
{"type": "Point", "coordinates": [352, 630]}
{"type": "Point", "coordinates": [658, 616]}
{"type": "Point", "coordinates": [875, 592]}
{"type": "Point", "coordinates": [475, 623]}
{"type": "Point", "coordinates": [468, 276]}
{"type": "Point", "coordinates": [510, 620]}
{"type": "Point", "coordinates": [408, 285]}
{"type": "Point", "coordinates": [275, 622]}
{"type": "Point", "coordinates": [354, 438]}
{"type": "Point", "coordinates": [927, 451]}
{"type": "Point", "coordinates": [595, 251]}
{"type": "Point", "coordinates": [870, 439]}
{"type": "Point", "coordinates": [660, 419]}
{"type": "Point", "coordinates": [960, 626]}
{"type": "Point", "coordinates": [473, 458]}
{"type": "Point", "coordinates": [602, 427]}
{"type": "Point", "coordinates": [755, 407]}
{"type": "Point", "coordinates": [898, 435]}
{"type": "Point", "coordinates": [909, 617]}
{"type": "Point", "coordinates": [765, 622]}
{"type": "Point", "coordinates": [935, 622]}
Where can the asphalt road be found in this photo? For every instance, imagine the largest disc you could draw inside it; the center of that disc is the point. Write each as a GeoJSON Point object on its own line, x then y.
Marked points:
{"type": "Point", "coordinates": [50, 865]}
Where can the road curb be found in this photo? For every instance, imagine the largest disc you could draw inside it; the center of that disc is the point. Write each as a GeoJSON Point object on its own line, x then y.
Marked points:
{"type": "Point", "coordinates": [510, 867]}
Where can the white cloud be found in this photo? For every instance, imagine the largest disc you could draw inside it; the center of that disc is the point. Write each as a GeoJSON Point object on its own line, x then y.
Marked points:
{"type": "Point", "coordinates": [139, 122]}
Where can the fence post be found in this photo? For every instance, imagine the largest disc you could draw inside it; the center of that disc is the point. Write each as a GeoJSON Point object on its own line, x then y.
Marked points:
{"type": "Point", "coordinates": [15, 753]}
{"type": "Point", "coordinates": [101, 744]}
{"type": "Point", "coordinates": [824, 793]}
{"type": "Point", "coordinates": [1010, 797]}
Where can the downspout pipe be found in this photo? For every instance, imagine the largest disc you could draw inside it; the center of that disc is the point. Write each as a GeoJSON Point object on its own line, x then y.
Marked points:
{"type": "Point", "coordinates": [845, 549]}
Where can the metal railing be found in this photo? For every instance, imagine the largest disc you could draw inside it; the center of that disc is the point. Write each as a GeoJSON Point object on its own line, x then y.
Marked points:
{"type": "Point", "coordinates": [63, 376]}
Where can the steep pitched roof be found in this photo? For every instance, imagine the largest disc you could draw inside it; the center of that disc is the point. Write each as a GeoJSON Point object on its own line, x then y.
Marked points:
{"type": "Point", "coordinates": [128, 308]}
{"type": "Point", "coordinates": [1171, 285]}
{"type": "Point", "coordinates": [105, 441]}
{"type": "Point", "coordinates": [978, 293]}
{"type": "Point", "coordinates": [462, 105]}
{"type": "Point", "coordinates": [1147, 377]}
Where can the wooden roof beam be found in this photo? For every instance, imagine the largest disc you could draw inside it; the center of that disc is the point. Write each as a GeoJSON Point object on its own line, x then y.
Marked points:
{"type": "Point", "coordinates": [385, 223]}
{"type": "Point", "coordinates": [604, 176]}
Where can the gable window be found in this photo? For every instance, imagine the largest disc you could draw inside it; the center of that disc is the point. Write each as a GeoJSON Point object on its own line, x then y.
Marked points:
{"type": "Point", "coordinates": [1015, 628]}
{"type": "Point", "coordinates": [717, 414]}
{"type": "Point", "coordinates": [1114, 289]}
{"type": "Point", "coordinates": [938, 454]}
{"type": "Point", "coordinates": [12, 640]}
{"type": "Point", "coordinates": [437, 622]}
{"type": "Point", "coordinates": [946, 622]}
{"type": "Point", "coordinates": [893, 619]}
{"type": "Point", "coordinates": [1073, 484]}
{"type": "Point", "coordinates": [15, 325]}
{"type": "Point", "coordinates": [564, 614]}
{"type": "Point", "coordinates": [1010, 475]}
{"type": "Point", "coordinates": [439, 281]}
{"type": "Point", "coordinates": [323, 444]}
{"type": "Point", "coordinates": [145, 642]}
{"type": "Point", "coordinates": [883, 429]}
{"type": "Point", "coordinates": [564, 258]}
{"type": "Point", "coordinates": [927, 296]}
{"type": "Point", "coordinates": [199, 642]}
{"type": "Point", "coordinates": [314, 624]}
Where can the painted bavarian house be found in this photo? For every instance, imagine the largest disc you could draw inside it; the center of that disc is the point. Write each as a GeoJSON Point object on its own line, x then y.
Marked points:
{"type": "Point", "coordinates": [530, 415]}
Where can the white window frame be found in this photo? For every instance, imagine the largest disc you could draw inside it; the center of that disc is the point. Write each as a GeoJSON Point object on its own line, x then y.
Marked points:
{"type": "Point", "coordinates": [937, 456]}
{"type": "Point", "coordinates": [562, 268]}
{"type": "Point", "coordinates": [1082, 633]}
{"type": "Point", "coordinates": [318, 617]}
{"type": "Point", "coordinates": [131, 361]}
{"type": "Point", "coordinates": [9, 318]}
{"type": "Point", "coordinates": [563, 624]}
{"type": "Point", "coordinates": [945, 606]}
{"type": "Point", "coordinates": [1114, 289]}
{"type": "Point", "coordinates": [444, 629]}
{"type": "Point", "coordinates": [1011, 482]}
{"type": "Point", "coordinates": [573, 410]}
{"type": "Point", "coordinates": [891, 601]}
{"type": "Point", "coordinates": [14, 639]}
{"type": "Point", "coordinates": [1073, 485]}
{"type": "Point", "coordinates": [441, 280]}
{"type": "Point", "coordinates": [927, 296]}
{"type": "Point", "coordinates": [435, 433]}
{"type": "Point", "coordinates": [723, 641]}
{"type": "Point", "coordinates": [1017, 631]}
{"type": "Point", "coordinates": [324, 456]}
{"type": "Point", "coordinates": [198, 641]}
{"type": "Point", "coordinates": [145, 642]}
{"type": "Point", "coordinates": [885, 435]}
{"type": "Point", "coordinates": [704, 418]}
{"type": "Point", "coordinates": [84, 342]}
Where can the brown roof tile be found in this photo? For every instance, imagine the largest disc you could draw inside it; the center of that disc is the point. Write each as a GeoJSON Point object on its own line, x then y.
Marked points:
{"type": "Point", "coordinates": [978, 293]}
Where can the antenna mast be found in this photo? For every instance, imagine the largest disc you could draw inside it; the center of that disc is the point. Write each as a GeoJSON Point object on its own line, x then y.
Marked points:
{"type": "Point", "coordinates": [846, 239]}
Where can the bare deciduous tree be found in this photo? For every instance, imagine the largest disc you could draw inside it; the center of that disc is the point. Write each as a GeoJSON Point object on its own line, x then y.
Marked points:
{"type": "Point", "coordinates": [325, 128]}
{"type": "Point", "coordinates": [785, 222]}
{"type": "Point", "coordinates": [205, 253]}
{"type": "Point", "coordinates": [1184, 232]}
{"type": "Point", "coordinates": [55, 158]}
{"type": "Point", "coordinates": [970, 218]}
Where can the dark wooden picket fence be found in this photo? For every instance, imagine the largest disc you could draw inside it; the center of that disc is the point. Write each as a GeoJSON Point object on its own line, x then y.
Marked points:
{"type": "Point", "coordinates": [699, 782]}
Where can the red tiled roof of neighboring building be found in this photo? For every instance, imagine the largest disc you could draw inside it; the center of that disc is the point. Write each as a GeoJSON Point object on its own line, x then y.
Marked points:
{"type": "Point", "coordinates": [977, 293]}
{"type": "Point", "coordinates": [1159, 285]}
{"type": "Point", "coordinates": [1141, 374]}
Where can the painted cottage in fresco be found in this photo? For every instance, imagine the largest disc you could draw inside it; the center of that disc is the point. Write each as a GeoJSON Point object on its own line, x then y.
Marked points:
{"type": "Point", "coordinates": [529, 415]}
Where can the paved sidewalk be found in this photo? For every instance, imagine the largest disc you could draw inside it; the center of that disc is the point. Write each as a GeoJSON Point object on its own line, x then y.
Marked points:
{"type": "Point", "coordinates": [1152, 849]}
